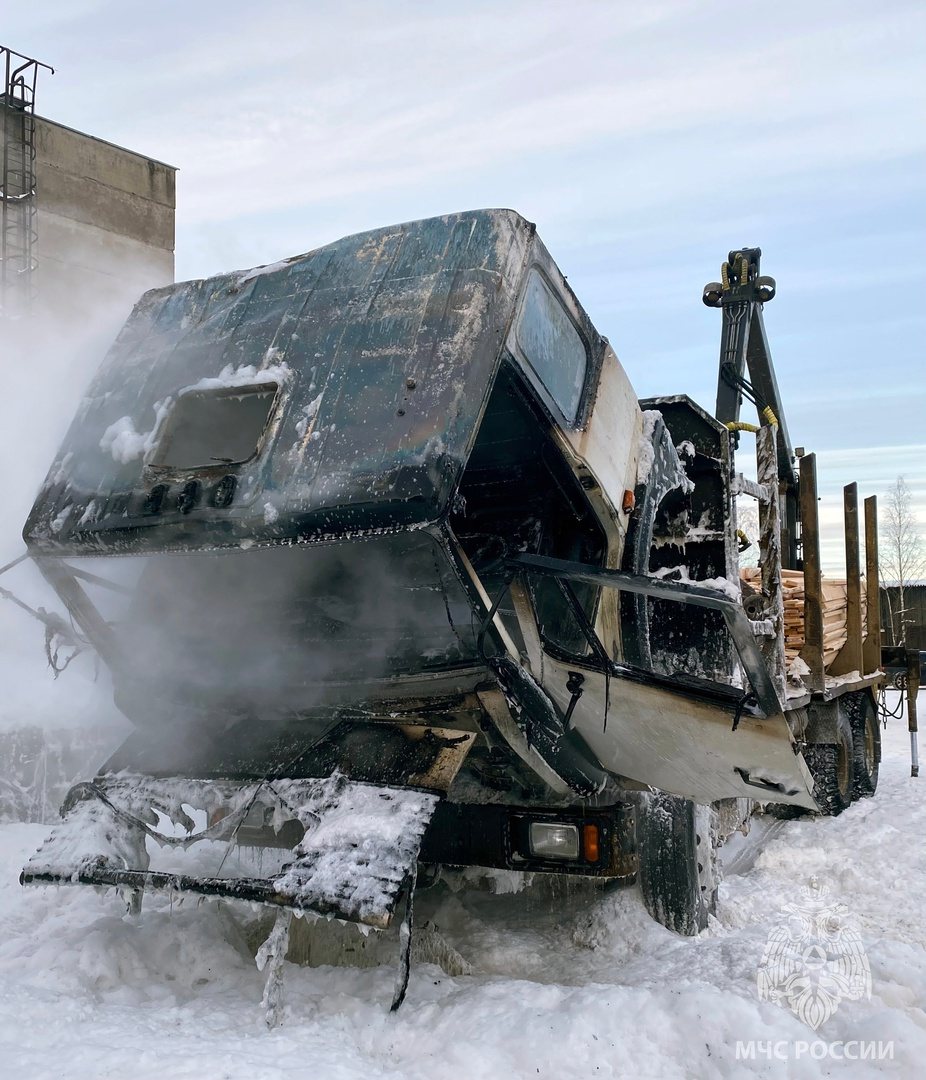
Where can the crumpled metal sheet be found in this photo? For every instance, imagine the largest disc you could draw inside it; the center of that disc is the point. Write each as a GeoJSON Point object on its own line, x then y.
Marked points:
{"type": "Point", "coordinates": [360, 845]}
{"type": "Point", "coordinates": [355, 857]}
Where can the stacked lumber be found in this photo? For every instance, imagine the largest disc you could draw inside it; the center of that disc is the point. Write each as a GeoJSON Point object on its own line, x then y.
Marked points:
{"type": "Point", "coordinates": [834, 611]}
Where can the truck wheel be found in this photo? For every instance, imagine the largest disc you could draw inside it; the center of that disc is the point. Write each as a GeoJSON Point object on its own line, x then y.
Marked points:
{"type": "Point", "coordinates": [831, 767]}
{"type": "Point", "coordinates": [866, 746]}
{"type": "Point", "coordinates": [677, 863]}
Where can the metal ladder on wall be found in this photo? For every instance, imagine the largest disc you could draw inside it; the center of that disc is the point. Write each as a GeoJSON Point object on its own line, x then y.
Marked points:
{"type": "Point", "coordinates": [18, 233]}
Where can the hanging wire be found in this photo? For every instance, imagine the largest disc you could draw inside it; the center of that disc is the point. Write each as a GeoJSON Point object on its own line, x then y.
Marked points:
{"type": "Point", "coordinates": [888, 714]}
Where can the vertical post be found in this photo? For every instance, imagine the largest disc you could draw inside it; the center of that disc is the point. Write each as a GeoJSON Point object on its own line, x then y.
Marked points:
{"type": "Point", "coordinates": [913, 689]}
{"type": "Point", "coordinates": [773, 648]}
{"type": "Point", "coordinates": [787, 504]}
{"type": "Point", "coordinates": [871, 647]}
{"type": "Point", "coordinates": [812, 652]}
{"type": "Point", "coordinates": [5, 113]}
{"type": "Point", "coordinates": [849, 657]}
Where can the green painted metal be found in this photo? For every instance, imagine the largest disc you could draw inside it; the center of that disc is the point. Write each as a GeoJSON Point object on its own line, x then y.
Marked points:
{"type": "Point", "coordinates": [385, 346]}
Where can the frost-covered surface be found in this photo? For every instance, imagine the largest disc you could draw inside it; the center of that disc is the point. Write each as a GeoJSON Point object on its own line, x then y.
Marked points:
{"type": "Point", "coordinates": [360, 843]}
{"type": "Point", "coordinates": [565, 985]}
{"type": "Point", "coordinates": [361, 840]}
{"type": "Point", "coordinates": [403, 374]}
{"type": "Point", "coordinates": [681, 573]}
{"type": "Point", "coordinates": [90, 836]}
{"type": "Point", "coordinates": [244, 375]}
{"type": "Point", "coordinates": [125, 443]}
{"type": "Point", "coordinates": [646, 453]}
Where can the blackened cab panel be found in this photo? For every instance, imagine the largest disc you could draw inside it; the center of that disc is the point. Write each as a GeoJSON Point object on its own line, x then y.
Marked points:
{"type": "Point", "coordinates": [268, 631]}
{"type": "Point", "coordinates": [379, 351]}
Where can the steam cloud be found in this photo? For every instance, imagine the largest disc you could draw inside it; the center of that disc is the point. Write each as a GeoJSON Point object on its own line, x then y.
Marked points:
{"type": "Point", "coordinates": [48, 360]}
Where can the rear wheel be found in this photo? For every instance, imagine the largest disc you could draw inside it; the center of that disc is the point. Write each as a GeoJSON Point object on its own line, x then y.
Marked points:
{"type": "Point", "coordinates": [831, 765]}
{"type": "Point", "coordinates": [677, 863]}
{"type": "Point", "coordinates": [866, 745]}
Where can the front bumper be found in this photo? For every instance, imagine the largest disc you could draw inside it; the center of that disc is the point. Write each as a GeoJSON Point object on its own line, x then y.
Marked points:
{"type": "Point", "coordinates": [498, 836]}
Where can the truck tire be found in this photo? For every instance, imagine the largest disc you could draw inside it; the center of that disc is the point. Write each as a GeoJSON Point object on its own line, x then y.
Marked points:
{"type": "Point", "coordinates": [677, 863]}
{"type": "Point", "coordinates": [866, 745]}
{"type": "Point", "coordinates": [832, 770]}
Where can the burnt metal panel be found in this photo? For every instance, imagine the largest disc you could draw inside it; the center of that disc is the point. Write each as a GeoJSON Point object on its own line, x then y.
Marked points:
{"type": "Point", "coordinates": [385, 346]}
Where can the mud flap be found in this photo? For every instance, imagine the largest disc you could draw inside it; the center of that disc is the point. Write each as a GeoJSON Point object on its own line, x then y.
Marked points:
{"type": "Point", "coordinates": [359, 848]}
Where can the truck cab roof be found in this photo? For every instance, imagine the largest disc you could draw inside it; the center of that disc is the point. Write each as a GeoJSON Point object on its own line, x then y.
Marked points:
{"type": "Point", "coordinates": [330, 395]}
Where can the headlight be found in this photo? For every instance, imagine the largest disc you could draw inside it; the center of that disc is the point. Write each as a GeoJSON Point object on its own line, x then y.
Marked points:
{"type": "Point", "coordinates": [553, 840]}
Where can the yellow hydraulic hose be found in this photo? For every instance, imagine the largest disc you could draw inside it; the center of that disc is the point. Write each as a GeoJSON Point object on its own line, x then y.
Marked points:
{"type": "Point", "coordinates": [741, 425]}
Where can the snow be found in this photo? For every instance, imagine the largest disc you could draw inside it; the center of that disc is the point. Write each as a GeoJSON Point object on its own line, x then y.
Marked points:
{"type": "Point", "coordinates": [91, 513]}
{"type": "Point", "coordinates": [125, 443]}
{"type": "Point", "coordinates": [682, 574]}
{"type": "Point", "coordinates": [361, 840]}
{"type": "Point", "coordinates": [646, 453]}
{"type": "Point", "coordinates": [568, 982]}
{"type": "Point", "coordinates": [243, 375]}
{"type": "Point", "coordinates": [260, 271]}
{"type": "Point", "coordinates": [61, 520]}
{"type": "Point", "coordinates": [308, 415]}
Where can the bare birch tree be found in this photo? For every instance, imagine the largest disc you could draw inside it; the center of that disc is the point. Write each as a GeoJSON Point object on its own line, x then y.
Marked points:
{"type": "Point", "coordinates": [902, 555]}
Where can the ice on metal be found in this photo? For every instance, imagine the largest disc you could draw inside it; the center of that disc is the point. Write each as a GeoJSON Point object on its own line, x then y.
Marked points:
{"type": "Point", "coordinates": [360, 844]}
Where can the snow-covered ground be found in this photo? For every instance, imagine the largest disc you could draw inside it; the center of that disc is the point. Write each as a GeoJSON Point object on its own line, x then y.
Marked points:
{"type": "Point", "coordinates": [566, 983]}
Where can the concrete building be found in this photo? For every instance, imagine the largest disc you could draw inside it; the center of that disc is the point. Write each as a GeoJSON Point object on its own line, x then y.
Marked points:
{"type": "Point", "coordinates": [104, 221]}
{"type": "Point", "coordinates": [86, 225]}
{"type": "Point", "coordinates": [85, 228]}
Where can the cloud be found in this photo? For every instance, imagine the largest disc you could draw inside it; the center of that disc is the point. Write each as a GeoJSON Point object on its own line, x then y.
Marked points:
{"type": "Point", "coordinates": [645, 140]}
{"type": "Point", "coordinates": [306, 104]}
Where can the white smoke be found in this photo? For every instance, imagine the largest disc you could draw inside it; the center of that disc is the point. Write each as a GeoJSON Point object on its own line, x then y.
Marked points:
{"type": "Point", "coordinates": [48, 359]}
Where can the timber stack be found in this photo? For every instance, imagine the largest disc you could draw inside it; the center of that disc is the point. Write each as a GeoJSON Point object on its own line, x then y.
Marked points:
{"type": "Point", "coordinates": [835, 609]}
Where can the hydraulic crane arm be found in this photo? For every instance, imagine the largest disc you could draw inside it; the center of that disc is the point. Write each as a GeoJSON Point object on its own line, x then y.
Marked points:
{"type": "Point", "coordinates": [740, 294]}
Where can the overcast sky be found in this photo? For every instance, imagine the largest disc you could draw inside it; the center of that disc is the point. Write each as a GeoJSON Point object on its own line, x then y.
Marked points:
{"type": "Point", "coordinates": [646, 140]}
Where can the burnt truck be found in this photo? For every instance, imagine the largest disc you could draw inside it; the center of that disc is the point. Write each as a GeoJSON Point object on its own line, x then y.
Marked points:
{"type": "Point", "coordinates": [391, 569]}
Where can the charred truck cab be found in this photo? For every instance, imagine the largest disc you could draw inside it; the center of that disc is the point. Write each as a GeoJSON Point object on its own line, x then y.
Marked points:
{"type": "Point", "coordinates": [389, 565]}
